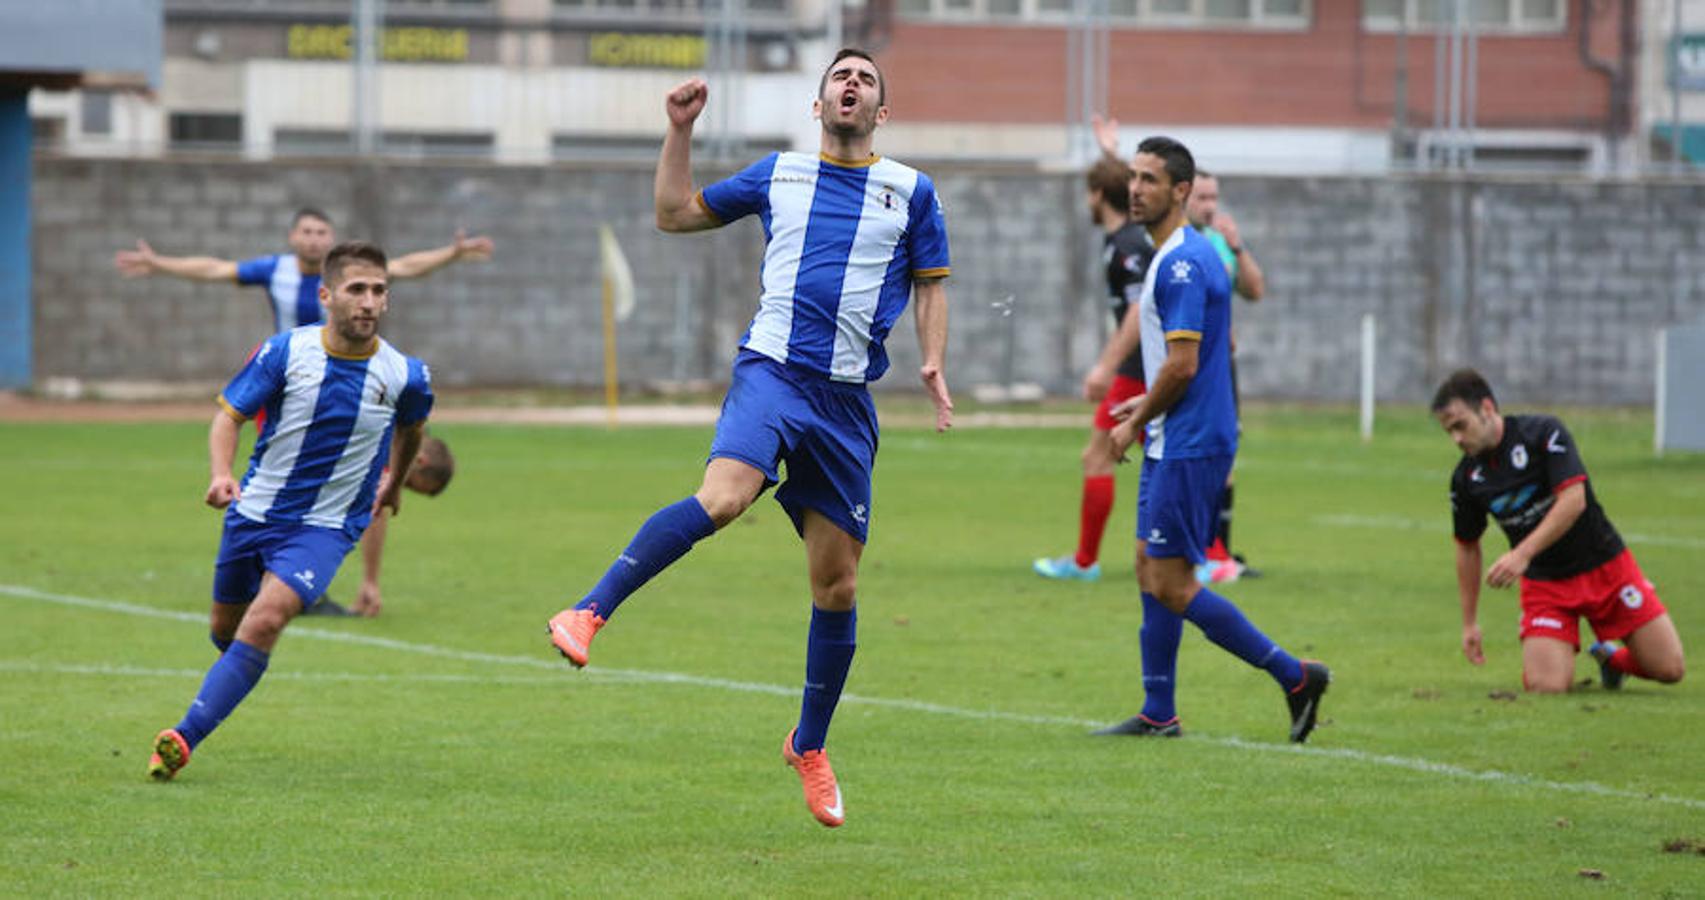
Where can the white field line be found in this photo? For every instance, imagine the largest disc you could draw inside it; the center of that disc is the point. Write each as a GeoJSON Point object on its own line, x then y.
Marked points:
{"type": "Point", "coordinates": [1442, 526]}
{"type": "Point", "coordinates": [1412, 764]}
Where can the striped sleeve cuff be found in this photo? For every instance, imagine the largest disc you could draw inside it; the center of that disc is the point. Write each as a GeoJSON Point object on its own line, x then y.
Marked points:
{"type": "Point", "coordinates": [231, 411]}
{"type": "Point", "coordinates": [937, 272]}
{"type": "Point", "coordinates": [1184, 335]}
{"type": "Point", "coordinates": [699, 199]}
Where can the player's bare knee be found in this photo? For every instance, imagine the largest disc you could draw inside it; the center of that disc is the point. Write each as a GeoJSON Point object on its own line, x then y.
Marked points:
{"type": "Point", "coordinates": [835, 595]}
{"type": "Point", "coordinates": [1548, 683]}
{"type": "Point", "coordinates": [1668, 671]}
{"type": "Point", "coordinates": [723, 506]}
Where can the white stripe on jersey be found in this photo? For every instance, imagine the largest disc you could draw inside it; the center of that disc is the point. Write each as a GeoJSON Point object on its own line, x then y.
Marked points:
{"type": "Point", "coordinates": [306, 366]}
{"type": "Point", "coordinates": [873, 249]}
{"type": "Point", "coordinates": [387, 374]}
{"type": "Point", "coordinates": [790, 213]}
{"type": "Point", "coordinates": [1154, 340]}
{"type": "Point", "coordinates": [285, 284]}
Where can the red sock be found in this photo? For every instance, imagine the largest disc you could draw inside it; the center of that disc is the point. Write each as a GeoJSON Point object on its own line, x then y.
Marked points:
{"type": "Point", "coordinates": [1217, 552]}
{"type": "Point", "coordinates": [1092, 517]}
{"type": "Point", "coordinates": [1623, 661]}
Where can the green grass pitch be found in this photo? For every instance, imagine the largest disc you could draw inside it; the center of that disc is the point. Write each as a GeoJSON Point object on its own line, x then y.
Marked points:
{"type": "Point", "coordinates": [445, 749]}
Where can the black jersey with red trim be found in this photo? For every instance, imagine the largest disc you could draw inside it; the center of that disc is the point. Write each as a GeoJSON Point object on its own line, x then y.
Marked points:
{"type": "Point", "coordinates": [1517, 483]}
{"type": "Point", "coordinates": [1127, 255]}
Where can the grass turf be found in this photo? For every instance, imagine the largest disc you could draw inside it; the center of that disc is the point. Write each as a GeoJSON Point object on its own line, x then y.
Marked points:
{"type": "Point", "coordinates": [444, 748]}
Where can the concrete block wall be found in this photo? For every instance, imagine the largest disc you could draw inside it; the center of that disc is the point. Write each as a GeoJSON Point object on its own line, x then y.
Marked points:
{"type": "Point", "coordinates": [1554, 289]}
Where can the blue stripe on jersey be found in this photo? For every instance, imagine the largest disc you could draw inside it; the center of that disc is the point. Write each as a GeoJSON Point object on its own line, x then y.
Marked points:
{"type": "Point", "coordinates": [896, 291]}
{"type": "Point", "coordinates": [333, 421]}
{"type": "Point", "coordinates": [293, 296]}
{"type": "Point", "coordinates": [836, 208]}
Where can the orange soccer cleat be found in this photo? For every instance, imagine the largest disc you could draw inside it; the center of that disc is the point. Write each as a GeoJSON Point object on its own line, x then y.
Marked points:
{"type": "Point", "coordinates": [822, 795]}
{"type": "Point", "coordinates": [171, 753]}
{"type": "Point", "coordinates": [572, 630]}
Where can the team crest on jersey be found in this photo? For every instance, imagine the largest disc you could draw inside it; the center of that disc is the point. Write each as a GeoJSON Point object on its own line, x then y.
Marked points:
{"type": "Point", "coordinates": [1181, 271]}
{"type": "Point", "coordinates": [1518, 456]}
{"type": "Point", "coordinates": [1631, 596]}
{"type": "Point", "coordinates": [889, 198]}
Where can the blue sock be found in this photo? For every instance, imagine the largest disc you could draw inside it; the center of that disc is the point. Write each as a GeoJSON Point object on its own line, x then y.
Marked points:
{"type": "Point", "coordinates": [1161, 633]}
{"type": "Point", "coordinates": [828, 657]}
{"type": "Point", "coordinates": [225, 686]}
{"type": "Point", "coordinates": [664, 538]}
{"type": "Point", "coordinates": [1226, 626]}
{"type": "Point", "coordinates": [219, 642]}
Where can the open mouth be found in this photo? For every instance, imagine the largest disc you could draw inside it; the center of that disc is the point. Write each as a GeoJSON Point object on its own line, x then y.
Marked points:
{"type": "Point", "coordinates": [848, 101]}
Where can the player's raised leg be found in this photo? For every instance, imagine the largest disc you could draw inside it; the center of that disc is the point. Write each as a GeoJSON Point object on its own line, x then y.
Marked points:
{"type": "Point", "coordinates": [728, 488]}
{"type": "Point", "coordinates": [833, 557]}
{"type": "Point", "coordinates": [232, 676]}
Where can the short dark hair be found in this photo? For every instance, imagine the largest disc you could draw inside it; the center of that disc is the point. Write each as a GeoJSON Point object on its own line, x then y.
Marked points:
{"type": "Point", "coordinates": [1112, 180]}
{"type": "Point", "coordinates": [437, 469]}
{"type": "Point", "coordinates": [843, 53]}
{"type": "Point", "coordinates": [1180, 165]}
{"type": "Point", "coordinates": [1203, 173]}
{"type": "Point", "coordinates": [350, 252]}
{"type": "Point", "coordinates": [1466, 385]}
{"type": "Point", "coordinates": [309, 212]}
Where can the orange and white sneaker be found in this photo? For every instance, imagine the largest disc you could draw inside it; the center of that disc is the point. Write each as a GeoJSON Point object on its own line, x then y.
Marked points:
{"type": "Point", "coordinates": [572, 630]}
{"type": "Point", "coordinates": [822, 795]}
{"type": "Point", "coordinates": [171, 753]}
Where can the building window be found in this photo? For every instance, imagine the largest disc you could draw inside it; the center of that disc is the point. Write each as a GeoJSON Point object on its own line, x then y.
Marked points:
{"type": "Point", "coordinates": [1519, 16]}
{"type": "Point", "coordinates": [1167, 13]}
{"type": "Point", "coordinates": [97, 112]}
{"type": "Point", "coordinates": [206, 131]}
{"type": "Point", "coordinates": [688, 8]}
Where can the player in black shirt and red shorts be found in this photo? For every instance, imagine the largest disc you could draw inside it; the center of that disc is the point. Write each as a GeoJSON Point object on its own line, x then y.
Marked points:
{"type": "Point", "coordinates": [1126, 259]}
{"type": "Point", "coordinates": [1526, 472]}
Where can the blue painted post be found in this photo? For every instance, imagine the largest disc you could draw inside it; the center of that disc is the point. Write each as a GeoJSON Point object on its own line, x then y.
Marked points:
{"type": "Point", "coordinates": [15, 348]}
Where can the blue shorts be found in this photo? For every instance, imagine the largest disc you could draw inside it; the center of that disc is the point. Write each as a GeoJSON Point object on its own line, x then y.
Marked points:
{"type": "Point", "coordinates": [304, 557]}
{"type": "Point", "coordinates": [824, 430]}
{"type": "Point", "coordinates": [1178, 505]}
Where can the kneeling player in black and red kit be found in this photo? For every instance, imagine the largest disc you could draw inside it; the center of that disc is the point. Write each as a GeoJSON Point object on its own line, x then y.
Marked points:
{"type": "Point", "coordinates": [1526, 472]}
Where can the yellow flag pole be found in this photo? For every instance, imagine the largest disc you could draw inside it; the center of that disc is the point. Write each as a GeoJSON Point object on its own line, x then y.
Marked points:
{"type": "Point", "coordinates": [609, 353]}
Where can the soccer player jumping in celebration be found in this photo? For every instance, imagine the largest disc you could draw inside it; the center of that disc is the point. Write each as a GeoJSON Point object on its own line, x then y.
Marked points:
{"type": "Point", "coordinates": [340, 402]}
{"type": "Point", "coordinates": [851, 237]}
{"type": "Point", "coordinates": [1526, 472]}
{"type": "Point", "coordinates": [1184, 324]}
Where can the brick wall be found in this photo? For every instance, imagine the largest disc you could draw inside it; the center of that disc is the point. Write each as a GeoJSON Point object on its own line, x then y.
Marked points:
{"type": "Point", "coordinates": [1561, 285]}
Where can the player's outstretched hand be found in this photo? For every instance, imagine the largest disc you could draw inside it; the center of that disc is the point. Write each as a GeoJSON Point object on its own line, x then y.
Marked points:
{"type": "Point", "coordinates": [388, 496]}
{"type": "Point", "coordinates": [936, 384]}
{"type": "Point", "coordinates": [1123, 436]}
{"type": "Point", "coordinates": [1227, 227]}
{"type": "Point", "coordinates": [135, 263]}
{"type": "Point", "coordinates": [1507, 570]}
{"type": "Point", "coordinates": [686, 101]}
{"type": "Point", "coordinates": [1106, 134]}
{"type": "Point", "coordinates": [222, 491]}
{"type": "Point", "coordinates": [1471, 646]}
{"type": "Point", "coordinates": [368, 602]}
{"type": "Point", "coordinates": [1097, 383]}
{"type": "Point", "coordinates": [477, 248]}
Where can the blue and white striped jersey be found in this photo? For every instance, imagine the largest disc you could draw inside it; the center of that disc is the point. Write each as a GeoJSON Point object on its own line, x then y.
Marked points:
{"type": "Point", "coordinates": [329, 421]}
{"type": "Point", "coordinates": [295, 297]}
{"type": "Point", "coordinates": [844, 242]}
{"type": "Point", "coordinates": [1187, 296]}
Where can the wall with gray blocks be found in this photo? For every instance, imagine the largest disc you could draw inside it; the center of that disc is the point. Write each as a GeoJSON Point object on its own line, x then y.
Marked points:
{"type": "Point", "coordinates": [1555, 289]}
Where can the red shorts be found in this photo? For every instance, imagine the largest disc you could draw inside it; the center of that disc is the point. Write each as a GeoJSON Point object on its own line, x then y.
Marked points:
{"type": "Point", "coordinates": [1615, 598]}
{"type": "Point", "coordinates": [1124, 388]}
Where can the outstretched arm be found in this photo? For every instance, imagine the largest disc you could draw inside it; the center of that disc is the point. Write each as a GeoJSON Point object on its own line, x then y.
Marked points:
{"type": "Point", "coordinates": [369, 601]}
{"type": "Point", "coordinates": [1570, 503]}
{"type": "Point", "coordinates": [930, 309]}
{"type": "Point", "coordinates": [221, 452]}
{"type": "Point", "coordinates": [143, 261]}
{"type": "Point", "coordinates": [1468, 589]}
{"type": "Point", "coordinates": [1170, 383]}
{"type": "Point", "coordinates": [425, 262]}
{"type": "Point", "coordinates": [1251, 285]}
{"type": "Point", "coordinates": [678, 208]}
